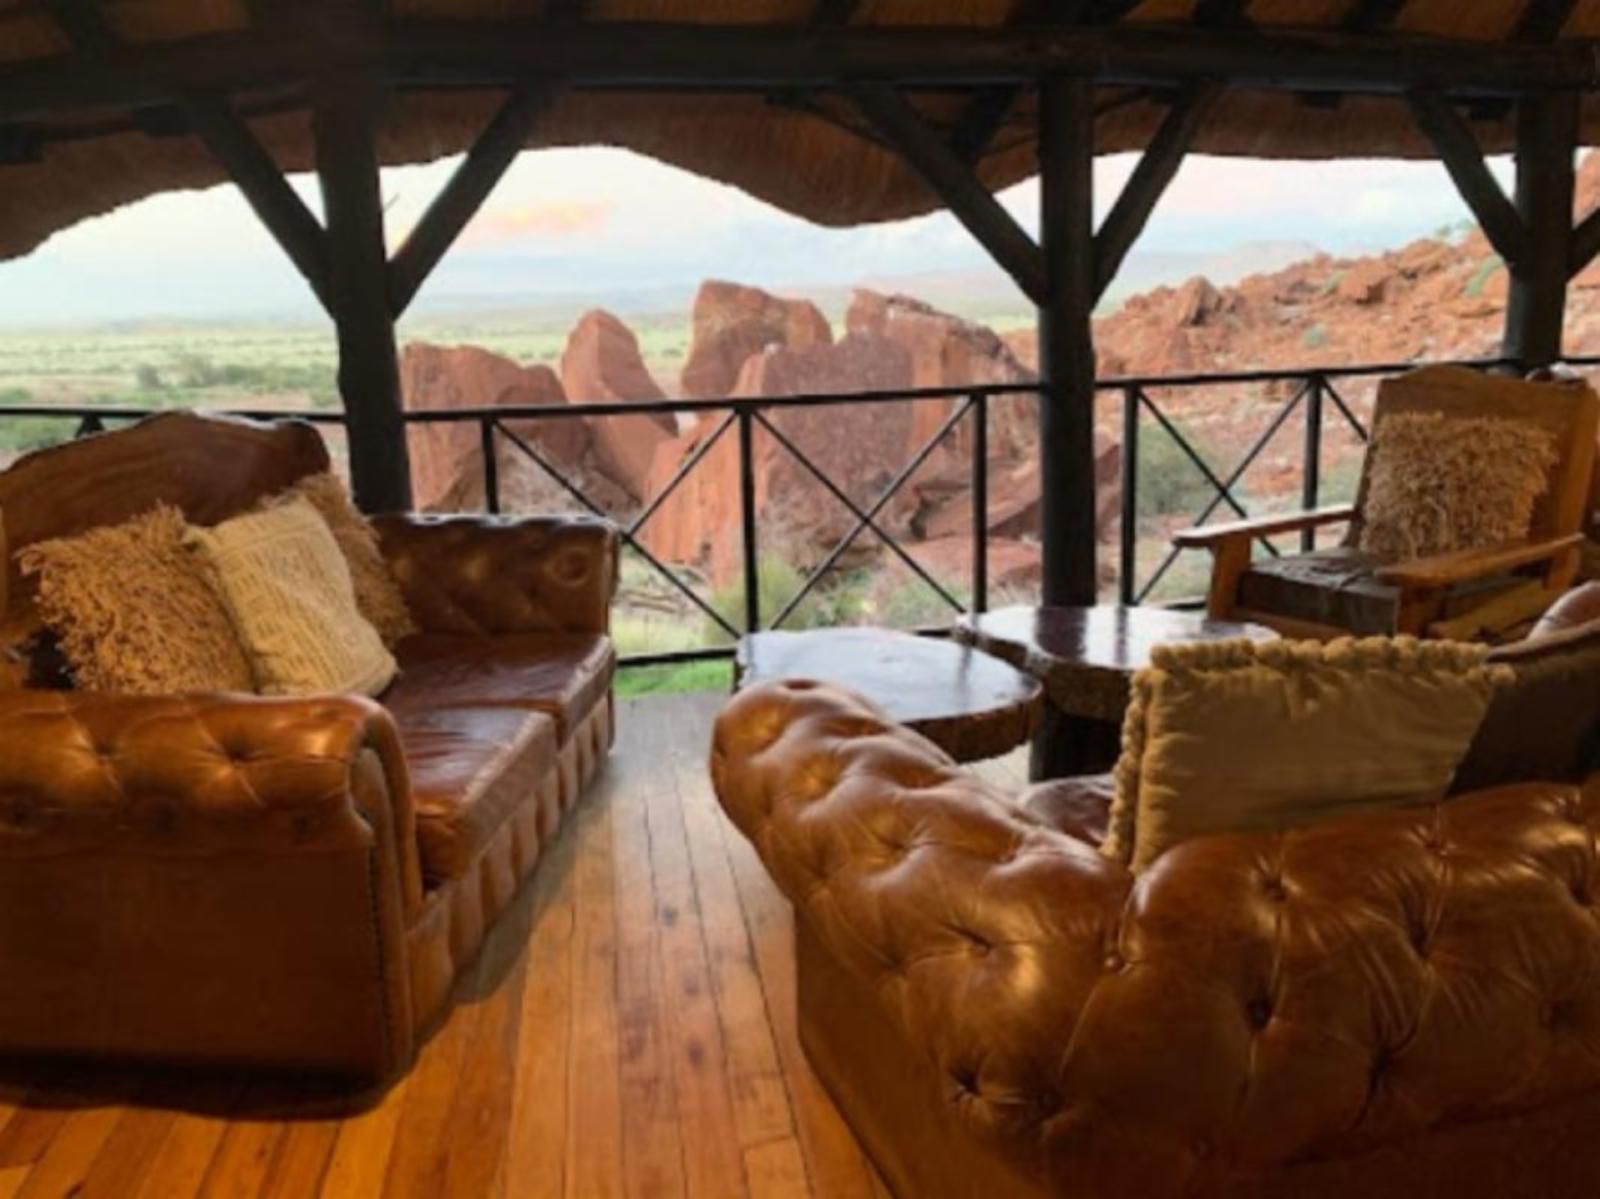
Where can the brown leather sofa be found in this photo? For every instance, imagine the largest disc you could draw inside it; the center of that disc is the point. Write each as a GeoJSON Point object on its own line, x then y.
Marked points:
{"type": "Point", "coordinates": [288, 882]}
{"type": "Point", "coordinates": [1403, 1004]}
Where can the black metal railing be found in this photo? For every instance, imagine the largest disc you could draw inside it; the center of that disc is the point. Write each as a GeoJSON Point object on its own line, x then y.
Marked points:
{"type": "Point", "coordinates": [1314, 391]}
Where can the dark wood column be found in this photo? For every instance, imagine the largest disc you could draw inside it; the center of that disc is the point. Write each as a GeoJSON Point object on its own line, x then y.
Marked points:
{"type": "Point", "coordinates": [346, 119]}
{"type": "Point", "coordinates": [1066, 341]}
{"type": "Point", "coordinates": [1547, 131]}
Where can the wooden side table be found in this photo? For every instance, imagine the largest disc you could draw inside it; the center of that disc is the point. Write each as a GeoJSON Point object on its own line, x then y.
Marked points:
{"type": "Point", "coordinates": [971, 705]}
{"type": "Point", "coordinates": [1086, 659]}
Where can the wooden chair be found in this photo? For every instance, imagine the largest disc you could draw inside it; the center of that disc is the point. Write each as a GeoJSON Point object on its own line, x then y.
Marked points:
{"type": "Point", "coordinates": [1465, 595]}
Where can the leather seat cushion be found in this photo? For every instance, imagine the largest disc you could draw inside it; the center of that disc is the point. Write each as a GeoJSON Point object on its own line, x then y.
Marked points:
{"type": "Point", "coordinates": [1576, 608]}
{"type": "Point", "coordinates": [470, 769]}
{"type": "Point", "coordinates": [1338, 587]}
{"type": "Point", "coordinates": [565, 675]}
{"type": "Point", "coordinates": [1079, 807]}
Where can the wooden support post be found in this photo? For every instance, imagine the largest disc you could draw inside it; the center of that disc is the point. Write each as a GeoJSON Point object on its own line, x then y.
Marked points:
{"type": "Point", "coordinates": [464, 194]}
{"type": "Point", "coordinates": [369, 370]}
{"type": "Point", "coordinates": [1547, 135]}
{"type": "Point", "coordinates": [1066, 341]}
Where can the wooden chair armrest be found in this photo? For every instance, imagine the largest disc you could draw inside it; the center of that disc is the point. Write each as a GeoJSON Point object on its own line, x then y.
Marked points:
{"type": "Point", "coordinates": [1207, 536]}
{"type": "Point", "coordinates": [1446, 570]}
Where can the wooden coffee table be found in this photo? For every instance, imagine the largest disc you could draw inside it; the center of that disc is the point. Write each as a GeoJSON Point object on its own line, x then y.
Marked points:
{"type": "Point", "coordinates": [1086, 658]}
{"type": "Point", "coordinates": [968, 703]}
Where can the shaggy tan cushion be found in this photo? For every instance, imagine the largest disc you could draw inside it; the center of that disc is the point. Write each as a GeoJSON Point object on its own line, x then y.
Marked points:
{"type": "Point", "coordinates": [288, 591]}
{"type": "Point", "coordinates": [1438, 483]}
{"type": "Point", "coordinates": [1237, 736]}
{"type": "Point", "coordinates": [377, 594]}
{"type": "Point", "coordinates": [132, 611]}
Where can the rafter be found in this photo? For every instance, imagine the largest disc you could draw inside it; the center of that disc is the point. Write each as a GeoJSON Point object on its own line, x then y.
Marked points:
{"type": "Point", "coordinates": [1543, 20]}
{"type": "Point", "coordinates": [1220, 14]}
{"type": "Point", "coordinates": [989, 107]}
{"type": "Point", "coordinates": [834, 12]}
{"type": "Point", "coordinates": [499, 144]}
{"type": "Point", "coordinates": [1458, 148]}
{"type": "Point", "coordinates": [1149, 181]}
{"type": "Point", "coordinates": [1369, 16]}
{"type": "Point", "coordinates": [266, 190]}
{"type": "Point", "coordinates": [953, 181]}
{"type": "Point", "coordinates": [759, 58]}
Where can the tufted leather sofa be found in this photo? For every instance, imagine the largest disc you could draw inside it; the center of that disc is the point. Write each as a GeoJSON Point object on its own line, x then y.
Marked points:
{"type": "Point", "coordinates": [230, 879]}
{"type": "Point", "coordinates": [1405, 1004]}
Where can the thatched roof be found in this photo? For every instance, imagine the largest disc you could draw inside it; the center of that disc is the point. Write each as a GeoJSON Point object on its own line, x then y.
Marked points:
{"type": "Point", "coordinates": [802, 149]}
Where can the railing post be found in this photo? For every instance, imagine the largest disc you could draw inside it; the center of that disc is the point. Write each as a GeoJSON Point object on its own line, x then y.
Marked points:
{"type": "Point", "coordinates": [1129, 565]}
{"type": "Point", "coordinates": [89, 424]}
{"type": "Point", "coordinates": [491, 466]}
{"type": "Point", "coordinates": [747, 513]}
{"type": "Point", "coordinates": [980, 502]}
{"type": "Point", "coordinates": [1311, 496]}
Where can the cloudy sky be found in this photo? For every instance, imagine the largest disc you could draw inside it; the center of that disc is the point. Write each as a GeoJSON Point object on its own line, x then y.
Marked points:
{"type": "Point", "coordinates": [594, 221]}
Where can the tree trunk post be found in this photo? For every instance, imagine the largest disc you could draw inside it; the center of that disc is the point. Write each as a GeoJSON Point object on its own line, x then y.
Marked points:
{"type": "Point", "coordinates": [1547, 134]}
{"type": "Point", "coordinates": [346, 119]}
{"type": "Point", "coordinates": [1066, 341]}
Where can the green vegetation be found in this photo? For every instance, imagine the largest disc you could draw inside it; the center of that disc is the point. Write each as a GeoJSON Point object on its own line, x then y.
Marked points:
{"type": "Point", "coordinates": [1480, 277]}
{"type": "Point", "coordinates": [634, 681]}
{"type": "Point", "coordinates": [1170, 484]}
{"type": "Point", "coordinates": [1314, 338]}
{"type": "Point", "coordinates": [1331, 284]}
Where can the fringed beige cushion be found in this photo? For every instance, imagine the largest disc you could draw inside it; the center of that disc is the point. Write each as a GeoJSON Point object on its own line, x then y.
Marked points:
{"type": "Point", "coordinates": [288, 592]}
{"type": "Point", "coordinates": [1438, 483]}
{"type": "Point", "coordinates": [1236, 736]}
{"type": "Point", "coordinates": [133, 612]}
{"type": "Point", "coordinates": [377, 594]}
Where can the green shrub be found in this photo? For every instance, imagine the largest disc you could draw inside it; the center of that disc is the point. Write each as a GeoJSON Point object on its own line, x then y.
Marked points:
{"type": "Point", "coordinates": [832, 603]}
{"type": "Point", "coordinates": [915, 605]}
{"type": "Point", "coordinates": [714, 675]}
{"type": "Point", "coordinates": [1314, 338]}
{"type": "Point", "coordinates": [1170, 484]}
{"type": "Point", "coordinates": [1480, 277]}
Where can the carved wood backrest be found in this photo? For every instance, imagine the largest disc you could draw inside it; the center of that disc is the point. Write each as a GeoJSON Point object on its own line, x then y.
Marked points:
{"type": "Point", "coordinates": [1569, 410]}
{"type": "Point", "coordinates": [209, 467]}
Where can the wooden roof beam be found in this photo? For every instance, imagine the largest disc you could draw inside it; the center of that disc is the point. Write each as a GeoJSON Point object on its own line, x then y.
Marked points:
{"type": "Point", "coordinates": [483, 167]}
{"type": "Point", "coordinates": [1220, 14]}
{"type": "Point", "coordinates": [1149, 181]}
{"type": "Point", "coordinates": [834, 12]}
{"type": "Point", "coordinates": [1458, 149]}
{"type": "Point", "coordinates": [661, 57]}
{"type": "Point", "coordinates": [1543, 20]}
{"type": "Point", "coordinates": [1370, 16]}
{"type": "Point", "coordinates": [278, 205]}
{"type": "Point", "coordinates": [953, 181]}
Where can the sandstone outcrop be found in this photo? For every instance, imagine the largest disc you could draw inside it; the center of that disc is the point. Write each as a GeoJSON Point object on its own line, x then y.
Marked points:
{"type": "Point", "coordinates": [731, 323]}
{"type": "Point", "coordinates": [602, 365]}
{"type": "Point", "coordinates": [454, 378]}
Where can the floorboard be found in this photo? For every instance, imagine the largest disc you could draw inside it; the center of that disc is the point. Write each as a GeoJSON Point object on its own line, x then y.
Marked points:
{"type": "Point", "coordinates": [629, 1032]}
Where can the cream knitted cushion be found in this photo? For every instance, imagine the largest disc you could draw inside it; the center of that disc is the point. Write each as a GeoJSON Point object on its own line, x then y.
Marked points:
{"type": "Point", "coordinates": [377, 594]}
{"type": "Point", "coordinates": [287, 589]}
{"type": "Point", "coordinates": [1237, 736]}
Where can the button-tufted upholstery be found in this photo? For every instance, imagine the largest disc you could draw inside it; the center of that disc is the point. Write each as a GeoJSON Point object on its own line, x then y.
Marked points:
{"type": "Point", "coordinates": [291, 883]}
{"type": "Point", "coordinates": [1251, 1010]}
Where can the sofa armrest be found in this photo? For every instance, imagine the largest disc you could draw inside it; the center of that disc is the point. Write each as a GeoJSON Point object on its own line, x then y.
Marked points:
{"type": "Point", "coordinates": [206, 879]}
{"type": "Point", "coordinates": [1464, 566]}
{"type": "Point", "coordinates": [480, 575]}
{"type": "Point", "coordinates": [1247, 1003]}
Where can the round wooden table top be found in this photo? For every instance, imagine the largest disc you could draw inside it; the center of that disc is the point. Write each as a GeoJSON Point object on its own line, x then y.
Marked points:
{"type": "Point", "coordinates": [1086, 656]}
{"type": "Point", "coordinates": [968, 703]}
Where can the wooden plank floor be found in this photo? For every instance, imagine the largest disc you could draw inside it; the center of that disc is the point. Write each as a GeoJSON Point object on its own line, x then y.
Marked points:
{"type": "Point", "coordinates": [629, 1031]}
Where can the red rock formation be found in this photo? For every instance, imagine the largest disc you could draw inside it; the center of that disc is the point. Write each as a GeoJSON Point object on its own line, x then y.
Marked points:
{"type": "Point", "coordinates": [602, 365]}
{"type": "Point", "coordinates": [459, 377]}
{"type": "Point", "coordinates": [731, 323]}
{"type": "Point", "coordinates": [860, 447]}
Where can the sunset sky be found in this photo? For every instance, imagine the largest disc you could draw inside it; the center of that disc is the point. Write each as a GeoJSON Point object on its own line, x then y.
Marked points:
{"type": "Point", "coordinates": [594, 221]}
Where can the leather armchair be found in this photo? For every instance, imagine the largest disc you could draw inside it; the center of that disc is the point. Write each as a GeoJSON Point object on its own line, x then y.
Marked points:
{"type": "Point", "coordinates": [1400, 1004]}
{"type": "Point", "coordinates": [262, 851]}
